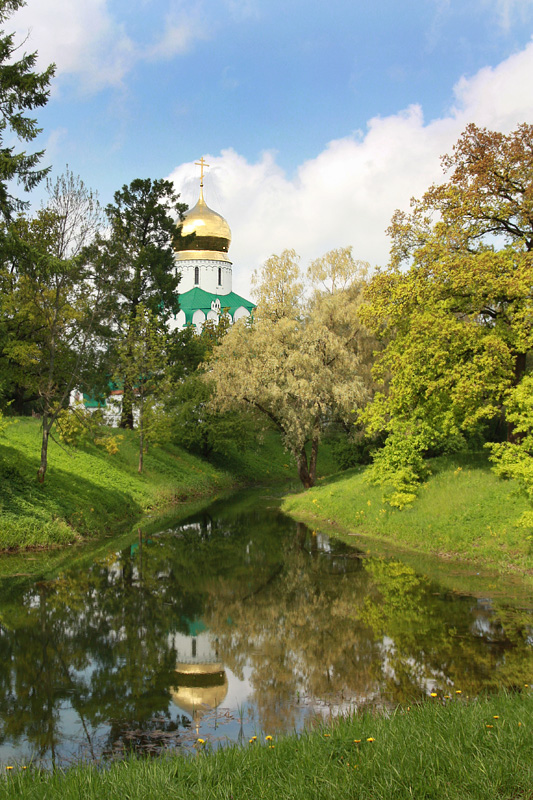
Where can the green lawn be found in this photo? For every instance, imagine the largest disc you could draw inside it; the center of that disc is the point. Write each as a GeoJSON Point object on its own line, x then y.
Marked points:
{"type": "Point", "coordinates": [463, 511]}
{"type": "Point", "coordinates": [88, 491]}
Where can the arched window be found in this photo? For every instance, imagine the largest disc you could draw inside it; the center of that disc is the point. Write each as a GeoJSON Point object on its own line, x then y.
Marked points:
{"type": "Point", "coordinates": [196, 276]}
{"type": "Point", "coordinates": [220, 276]}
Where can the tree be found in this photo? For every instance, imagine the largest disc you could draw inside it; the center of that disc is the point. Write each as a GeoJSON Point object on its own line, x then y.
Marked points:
{"type": "Point", "coordinates": [137, 257]}
{"type": "Point", "coordinates": [195, 424]}
{"type": "Point", "coordinates": [52, 305]}
{"type": "Point", "coordinates": [140, 359]}
{"type": "Point", "coordinates": [457, 321]}
{"type": "Point", "coordinates": [293, 364]}
{"type": "Point", "coordinates": [78, 211]}
{"type": "Point", "coordinates": [21, 90]}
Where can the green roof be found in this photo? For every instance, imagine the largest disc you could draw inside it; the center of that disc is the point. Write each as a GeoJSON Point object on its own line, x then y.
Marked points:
{"type": "Point", "coordinates": [198, 299]}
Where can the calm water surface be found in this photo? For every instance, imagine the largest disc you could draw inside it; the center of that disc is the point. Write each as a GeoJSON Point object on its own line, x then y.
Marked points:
{"type": "Point", "coordinates": [234, 622]}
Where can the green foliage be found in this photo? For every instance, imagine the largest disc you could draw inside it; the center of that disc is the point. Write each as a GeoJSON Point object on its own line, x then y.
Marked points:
{"type": "Point", "coordinates": [514, 459]}
{"type": "Point", "coordinates": [21, 90]}
{"type": "Point", "coordinates": [353, 446]}
{"type": "Point", "coordinates": [136, 252]}
{"type": "Point", "coordinates": [296, 365]}
{"type": "Point", "coordinates": [198, 428]}
{"type": "Point", "coordinates": [78, 427]}
{"type": "Point", "coordinates": [141, 362]}
{"type": "Point", "coordinates": [452, 310]}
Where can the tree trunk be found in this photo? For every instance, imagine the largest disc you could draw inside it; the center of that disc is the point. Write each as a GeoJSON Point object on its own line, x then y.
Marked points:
{"type": "Point", "coordinates": [41, 472]}
{"type": "Point", "coordinates": [307, 469]}
{"type": "Point", "coordinates": [126, 417]}
{"type": "Point", "coordinates": [141, 437]}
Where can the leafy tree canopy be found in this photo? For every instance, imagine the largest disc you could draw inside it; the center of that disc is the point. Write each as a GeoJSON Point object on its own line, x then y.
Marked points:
{"type": "Point", "coordinates": [454, 306]}
{"type": "Point", "coordinates": [295, 363]}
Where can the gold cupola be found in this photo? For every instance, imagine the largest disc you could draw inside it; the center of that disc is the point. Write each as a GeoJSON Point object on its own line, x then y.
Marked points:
{"type": "Point", "coordinates": [212, 233]}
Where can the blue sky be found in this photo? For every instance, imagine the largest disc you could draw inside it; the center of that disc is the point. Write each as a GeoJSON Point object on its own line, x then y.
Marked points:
{"type": "Point", "coordinates": [318, 119]}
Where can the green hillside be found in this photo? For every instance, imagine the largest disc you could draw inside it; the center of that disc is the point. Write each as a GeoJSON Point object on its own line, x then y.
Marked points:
{"type": "Point", "coordinates": [462, 511]}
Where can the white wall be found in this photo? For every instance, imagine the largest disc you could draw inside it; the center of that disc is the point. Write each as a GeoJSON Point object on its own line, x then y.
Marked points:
{"type": "Point", "coordinates": [208, 275]}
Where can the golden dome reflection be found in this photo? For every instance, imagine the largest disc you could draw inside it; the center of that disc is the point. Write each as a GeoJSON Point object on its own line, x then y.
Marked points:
{"type": "Point", "coordinates": [199, 687]}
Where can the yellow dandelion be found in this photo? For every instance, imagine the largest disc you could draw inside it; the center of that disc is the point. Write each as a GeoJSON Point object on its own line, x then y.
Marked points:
{"type": "Point", "coordinates": [489, 726]}
{"type": "Point", "coordinates": [495, 716]}
{"type": "Point", "coordinates": [9, 767]}
{"type": "Point", "coordinates": [519, 724]}
{"type": "Point", "coordinates": [458, 691]}
{"type": "Point", "coordinates": [327, 735]}
{"type": "Point", "coordinates": [371, 739]}
{"type": "Point", "coordinates": [433, 694]}
{"type": "Point", "coordinates": [201, 741]}
{"type": "Point", "coordinates": [447, 697]}
{"type": "Point", "coordinates": [268, 738]}
{"type": "Point", "coordinates": [251, 741]}
{"type": "Point", "coordinates": [357, 741]}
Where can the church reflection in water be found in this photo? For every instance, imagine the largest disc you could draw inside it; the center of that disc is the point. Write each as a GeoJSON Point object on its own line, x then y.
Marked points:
{"type": "Point", "coordinates": [200, 682]}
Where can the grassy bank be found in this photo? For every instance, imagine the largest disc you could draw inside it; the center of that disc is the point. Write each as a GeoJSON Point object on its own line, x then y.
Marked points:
{"type": "Point", "coordinates": [463, 511]}
{"type": "Point", "coordinates": [89, 492]}
{"type": "Point", "coordinates": [443, 749]}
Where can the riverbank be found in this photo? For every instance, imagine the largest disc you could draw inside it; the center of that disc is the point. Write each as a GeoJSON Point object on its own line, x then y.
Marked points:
{"type": "Point", "coordinates": [448, 747]}
{"type": "Point", "coordinates": [463, 512]}
{"type": "Point", "coordinates": [88, 492]}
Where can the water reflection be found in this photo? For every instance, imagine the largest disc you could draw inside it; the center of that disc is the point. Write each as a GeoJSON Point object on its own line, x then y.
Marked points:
{"type": "Point", "coordinates": [236, 621]}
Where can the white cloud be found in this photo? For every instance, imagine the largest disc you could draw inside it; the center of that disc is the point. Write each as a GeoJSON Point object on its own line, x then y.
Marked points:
{"type": "Point", "coordinates": [180, 33]}
{"type": "Point", "coordinates": [79, 37]}
{"type": "Point", "coordinates": [84, 39]}
{"type": "Point", "coordinates": [347, 194]}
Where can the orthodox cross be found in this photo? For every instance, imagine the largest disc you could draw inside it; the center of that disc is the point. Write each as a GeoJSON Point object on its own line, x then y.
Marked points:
{"type": "Point", "coordinates": [202, 163]}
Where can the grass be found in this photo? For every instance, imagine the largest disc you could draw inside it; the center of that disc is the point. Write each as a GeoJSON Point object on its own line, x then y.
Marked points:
{"type": "Point", "coordinates": [88, 492]}
{"type": "Point", "coordinates": [463, 511]}
{"type": "Point", "coordinates": [441, 749]}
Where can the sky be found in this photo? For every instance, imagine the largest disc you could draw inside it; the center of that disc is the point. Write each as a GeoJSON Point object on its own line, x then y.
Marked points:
{"type": "Point", "coordinates": [318, 119]}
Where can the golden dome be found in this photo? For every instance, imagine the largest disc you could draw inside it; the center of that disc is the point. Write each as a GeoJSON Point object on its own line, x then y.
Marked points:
{"type": "Point", "coordinates": [213, 234]}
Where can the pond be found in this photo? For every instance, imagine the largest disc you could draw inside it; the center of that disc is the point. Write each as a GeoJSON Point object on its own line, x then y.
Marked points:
{"type": "Point", "coordinates": [234, 622]}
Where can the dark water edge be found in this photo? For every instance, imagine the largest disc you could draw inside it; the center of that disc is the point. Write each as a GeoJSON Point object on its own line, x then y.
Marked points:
{"type": "Point", "coordinates": [232, 620]}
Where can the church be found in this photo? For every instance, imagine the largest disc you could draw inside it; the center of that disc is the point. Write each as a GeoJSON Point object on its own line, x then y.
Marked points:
{"type": "Point", "coordinates": [205, 289]}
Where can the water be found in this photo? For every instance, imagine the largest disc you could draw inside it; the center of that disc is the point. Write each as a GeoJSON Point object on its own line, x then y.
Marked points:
{"type": "Point", "coordinates": [235, 622]}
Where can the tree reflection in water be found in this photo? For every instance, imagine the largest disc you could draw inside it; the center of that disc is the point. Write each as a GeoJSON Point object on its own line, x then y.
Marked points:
{"type": "Point", "coordinates": [134, 652]}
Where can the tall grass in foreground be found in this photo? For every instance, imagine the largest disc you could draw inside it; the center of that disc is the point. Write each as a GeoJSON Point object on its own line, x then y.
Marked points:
{"type": "Point", "coordinates": [443, 749]}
